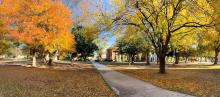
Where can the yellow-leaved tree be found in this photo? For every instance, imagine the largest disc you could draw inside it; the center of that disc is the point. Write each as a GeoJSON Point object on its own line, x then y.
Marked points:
{"type": "Point", "coordinates": [183, 44]}
{"type": "Point", "coordinates": [161, 19]}
{"type": "Point", "coordinates": [215, 31]}
{"type": "Point", "coordinates": [130, 44]}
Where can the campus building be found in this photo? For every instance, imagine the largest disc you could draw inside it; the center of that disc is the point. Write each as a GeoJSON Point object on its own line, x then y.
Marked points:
{"type": "Point", "coordinates": [112, 54]}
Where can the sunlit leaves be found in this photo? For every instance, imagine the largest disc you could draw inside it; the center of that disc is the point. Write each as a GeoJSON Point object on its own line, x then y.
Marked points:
{"type": "Point", "coordinates": [41, 23]}
{"type": "Point", "coordinates": [84, 43]}
{"type": "Point", "coordinates": [160, 18]}
{"type": "Point", "coordinates": [215, 4]}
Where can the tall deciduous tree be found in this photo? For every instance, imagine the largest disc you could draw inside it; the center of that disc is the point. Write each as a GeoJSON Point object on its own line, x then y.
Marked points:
{"type": "Point", "coordinates": [181, 43]}
{"type": "Point", "coordinates": [41, 24]}
{"type": "Point", "coordinates": [85, 45]}
{"type": "Point", "coordinates": [4, 29]}
{"type": "Point", "coordinates": [216, 42]}
{"type": "Point", "coordinates": [210, 43]}
{"type": "Point", "coordinates": [131, 48]}
{"type": "Point", "coordinates": [160, 19]}
{"type": "Point", "coordinates": [131, 44]}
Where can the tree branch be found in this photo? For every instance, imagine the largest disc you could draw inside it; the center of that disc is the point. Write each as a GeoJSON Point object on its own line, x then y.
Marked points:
{"type": "Point", "coordinates": [192, 25]}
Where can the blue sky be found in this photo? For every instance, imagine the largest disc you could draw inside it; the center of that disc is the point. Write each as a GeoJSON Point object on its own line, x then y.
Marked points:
{"type": "Point", "coordinates": [106, 6]}
{"type": "Point", "coordinates": [112, 40]}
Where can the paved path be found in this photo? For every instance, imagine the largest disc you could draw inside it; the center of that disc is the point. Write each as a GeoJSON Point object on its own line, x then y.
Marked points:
{"type": "Point", "coordinates": [126, 86]}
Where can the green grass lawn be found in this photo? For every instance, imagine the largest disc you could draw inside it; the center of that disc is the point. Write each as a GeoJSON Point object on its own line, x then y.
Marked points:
{"type": "Point", "coordinates": [201, 83]}
{"type": "Point", "coordinates": [17, 81]}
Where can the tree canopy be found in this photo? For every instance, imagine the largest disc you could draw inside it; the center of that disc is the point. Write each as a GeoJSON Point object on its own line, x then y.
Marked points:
{"type": "Point", "coordinates": [161, 19]}
{"type": "Point", "coordinates": [41, 24]}
{"type": "Point", "coordinates": [85, 45]}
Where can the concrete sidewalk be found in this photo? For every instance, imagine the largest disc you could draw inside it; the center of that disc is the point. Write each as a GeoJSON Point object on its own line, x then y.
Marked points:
{"type": "Point", "coordinates": [126, 86]}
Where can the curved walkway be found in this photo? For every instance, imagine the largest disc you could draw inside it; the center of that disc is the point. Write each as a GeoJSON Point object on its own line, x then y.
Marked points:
{"type": "Point", "coordinates": [126, 86]}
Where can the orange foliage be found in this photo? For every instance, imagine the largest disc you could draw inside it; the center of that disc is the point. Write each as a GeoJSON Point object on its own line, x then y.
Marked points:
{"type": "Point", "coordinates": [41, 22]}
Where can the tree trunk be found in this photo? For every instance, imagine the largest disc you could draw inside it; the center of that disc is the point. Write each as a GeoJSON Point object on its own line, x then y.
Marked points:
{"type": "Point", "coordinates": [84, 58]}
{"type": "Point", "coordinates": [191, 59]}
{"type": "Point", "coordinates": [129, 59]}
{"type": "Point", "coordinates": [132, 59]}
{"type": "Point", "coordinates": [50, 61]}
{"type": "Point", "coordinates": [216, 56]}
{"type": "Point", "coordinates": [147, 58]}
{"type": "Point", "coordinates": [158, 61]}
{"type": "Point", "coordinates": [56, 55]}
{"type": "Point", "coordinates": [162, 64]}
{"type": "Point", "coordinates": [186, 58]}
{"type": "Point", "coordinates": [47, 57]}
{"type": "Point", "coordinates": [177, 57]}
{"type": "Point", "coordinates": [34, 59]}
{"type": "Point", "coordinates": [44, 59]}
{"type": "Point", "coordinates": [100, 57]}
